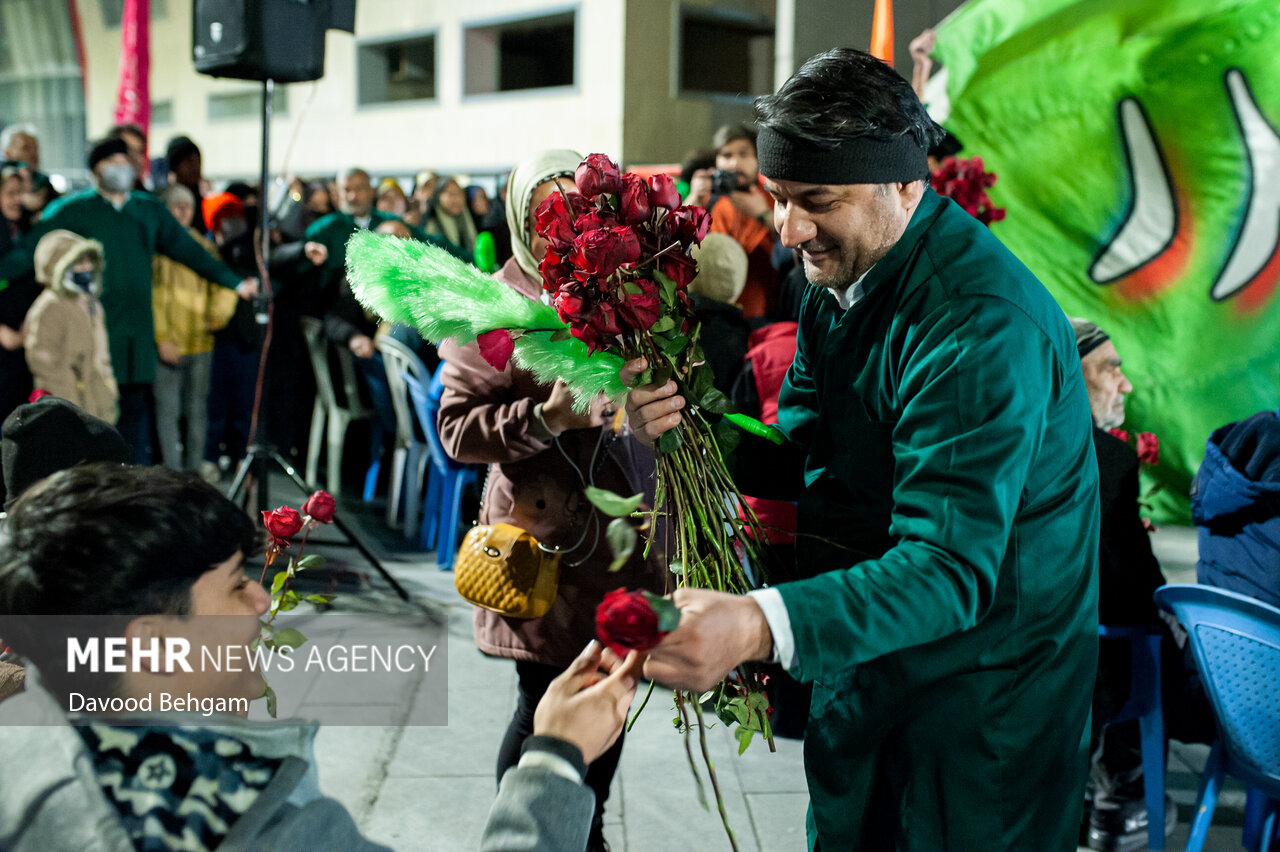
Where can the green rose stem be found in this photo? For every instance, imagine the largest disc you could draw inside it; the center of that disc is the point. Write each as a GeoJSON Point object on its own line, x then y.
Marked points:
{"type": "Point", "coordinates": [711, 770]}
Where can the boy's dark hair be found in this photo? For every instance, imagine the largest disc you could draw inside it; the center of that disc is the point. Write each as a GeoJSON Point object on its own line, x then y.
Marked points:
{"type": "Point", "coordinates": [731, 133]}
{"type": "Point", "coordinates": [103, 540]}
{"type": "Point", "coordinates": [847, 93]}
{"type": "Point", "coordinates": [180, 148]}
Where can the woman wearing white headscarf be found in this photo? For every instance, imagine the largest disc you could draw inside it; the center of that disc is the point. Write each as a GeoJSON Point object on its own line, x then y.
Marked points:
{"type": "Point", "coordinates": [448, 216]}
{"type": "Point", "coordinates": [541, 456]}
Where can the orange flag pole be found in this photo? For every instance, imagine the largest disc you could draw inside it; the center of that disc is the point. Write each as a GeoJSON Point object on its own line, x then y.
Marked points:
{"type": "Point", "coordinates": [882, 31]}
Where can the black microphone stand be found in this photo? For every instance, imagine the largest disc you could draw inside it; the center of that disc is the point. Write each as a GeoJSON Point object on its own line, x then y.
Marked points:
{"type": "Point", "coordinates": [260, 453]}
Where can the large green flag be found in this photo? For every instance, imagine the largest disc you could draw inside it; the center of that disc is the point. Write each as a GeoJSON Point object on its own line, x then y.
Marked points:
{"type": "Point", "coordinates": [1138, 156]}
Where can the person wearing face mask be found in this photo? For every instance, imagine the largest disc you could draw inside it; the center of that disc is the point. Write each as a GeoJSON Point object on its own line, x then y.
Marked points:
{"type": "Point", "coordinates": [66, 341]}
{"type": "Point", "coordinates": [132, 227]}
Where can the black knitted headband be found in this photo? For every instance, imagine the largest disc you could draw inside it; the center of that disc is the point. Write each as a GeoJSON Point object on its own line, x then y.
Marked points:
{"type": "Point", "coordinates": [857, 159]}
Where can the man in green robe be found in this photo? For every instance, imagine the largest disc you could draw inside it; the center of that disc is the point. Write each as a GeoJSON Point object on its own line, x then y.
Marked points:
{"type": "Point", "coordinates": [333, 230]}
{"type": "Point", "coordinates": [132, 227]}
{"type": "Point", "coordinates": [939, 441]}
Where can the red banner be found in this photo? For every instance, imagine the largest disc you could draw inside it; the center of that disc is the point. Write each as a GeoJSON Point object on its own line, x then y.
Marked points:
{"type": "Point", "coordinates": [133, 98]}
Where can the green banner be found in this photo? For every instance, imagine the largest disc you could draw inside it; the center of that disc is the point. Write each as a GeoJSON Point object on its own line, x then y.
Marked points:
{"type": "Point", "coordinates": [1138, 156]}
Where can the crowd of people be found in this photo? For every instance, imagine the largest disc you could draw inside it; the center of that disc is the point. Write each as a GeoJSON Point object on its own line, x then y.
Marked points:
{"type": "Point", "coordinates": [954, 519]}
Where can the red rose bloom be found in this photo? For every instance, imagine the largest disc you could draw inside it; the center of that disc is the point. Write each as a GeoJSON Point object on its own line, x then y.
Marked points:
{"type": "Point", "coordinates": [496, 347]}
{"type": "Point", "coordinates": [283, 524]}
{"type": "Point", "coordinates": [555, 269]}
{"type": "Point", "coordinates": [593, 220]}
{"type": "Point", "coordinates": [626, 621]}
{"type": "Point", "coordinates": [1148, 448]}
{"type": "Point", "coordinates": [663, 192]}
{"type": "Point", "coordinates": [37, 394]}
{"type": "Point", "coordinates": [680, 268]}
{"type": "Point", "coordinates": [320, 507]}
{"type": "Point", "coordinates": [640, 310]}
{"type": "Point", "coordinates": [555, 216]}
{"type": "Point", "coordinates": [633, 200]}
{"type": "Point", "coordinates": [1119, 433]}
{"type": "Point", "coordinates": [599, 253]}
{"type": "Point", "coordinates": [597, 174]}
{"type": "Point", "coordinates": [690, 224]}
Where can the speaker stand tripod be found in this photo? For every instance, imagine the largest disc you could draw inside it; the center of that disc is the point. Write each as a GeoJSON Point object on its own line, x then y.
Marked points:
{"type": "Point", "coordinates": [260, 454]}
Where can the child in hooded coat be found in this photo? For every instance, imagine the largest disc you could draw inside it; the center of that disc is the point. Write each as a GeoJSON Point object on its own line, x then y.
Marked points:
{"type": "Point", "coordinates": [66, 338]}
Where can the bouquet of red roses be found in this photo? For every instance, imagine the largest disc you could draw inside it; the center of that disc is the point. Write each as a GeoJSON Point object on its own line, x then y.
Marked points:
{"type": "Point", "coordinates": [966, 183]}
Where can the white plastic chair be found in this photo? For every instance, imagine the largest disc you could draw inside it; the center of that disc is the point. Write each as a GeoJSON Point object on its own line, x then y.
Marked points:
{"type": "Point", "coordinates": [409, 464]}
{"type": "Point", "coordinates": [329, 415]}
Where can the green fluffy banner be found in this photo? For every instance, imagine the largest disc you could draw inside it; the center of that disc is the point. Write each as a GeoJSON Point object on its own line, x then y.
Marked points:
{"type": "Point", "coordinates": [412, 283]}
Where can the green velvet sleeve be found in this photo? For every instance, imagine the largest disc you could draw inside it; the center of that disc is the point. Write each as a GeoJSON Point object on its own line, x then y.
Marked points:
{"type": "Point", "coordinates": [974, 389]}
{"type": "Point", "coordinates": [173, 241]}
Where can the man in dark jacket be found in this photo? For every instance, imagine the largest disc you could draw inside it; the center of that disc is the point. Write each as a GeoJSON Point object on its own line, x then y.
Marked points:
{"type": "Point", "coordinates": [1128, 575]}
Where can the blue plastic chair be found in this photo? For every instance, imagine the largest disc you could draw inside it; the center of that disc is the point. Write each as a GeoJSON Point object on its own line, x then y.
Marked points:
{"type": "Point", "coordinates": [1236, 643]}
{"type": "Point", "coordinates": [444, 491]}
{"type": "Point", "coordinates": [1144, 705]}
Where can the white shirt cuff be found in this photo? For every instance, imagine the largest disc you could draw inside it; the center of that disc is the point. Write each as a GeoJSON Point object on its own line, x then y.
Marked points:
{"type": "Point", "coordinates": [550, 762]}
{"type": "Point", "coordinates": [775, 613]}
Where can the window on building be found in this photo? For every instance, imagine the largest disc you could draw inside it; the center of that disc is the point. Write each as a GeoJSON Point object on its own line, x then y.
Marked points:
{"type": "Point", "coordinates": [162, 112]}
{"type": "Point", "coordinates": [113, 11]}
{"type": "Point", "coordinates": [530, 53]}
{"type": "Point", "coordinates": [397, 71]}
{"type": "Point", "coordinates": [246, 104]}
{"type": "Point", "coordinates": [725, 54]}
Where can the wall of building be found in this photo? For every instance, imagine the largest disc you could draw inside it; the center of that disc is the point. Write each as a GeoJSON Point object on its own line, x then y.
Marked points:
{"type": "Point", "coordinates": [664, 123]}
{"type": "Point", "coordinates": [452, 133]}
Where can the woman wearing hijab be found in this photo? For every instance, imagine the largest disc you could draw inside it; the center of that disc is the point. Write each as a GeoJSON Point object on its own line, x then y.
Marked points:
{"type": "Point", "coordinates": [541, 456]}
{"type": "Point", "coordinates": [16, 294]}
{"type": "Point", "coordinates": [449, 217]}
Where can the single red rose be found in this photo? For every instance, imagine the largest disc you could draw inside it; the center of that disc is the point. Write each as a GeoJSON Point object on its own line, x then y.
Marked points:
{"type": "Point", "coordinates": [283, 524]}
{"type": "Point", "coordinates": [593, 220]}
{"type": "Point", "coordinates": [496, 347]}
{"type": "Point", "coordinates": [320, 507]}
{"type": "Point", "coordinates": [679, 267]}
{"type": "Point", "coordinates": [572, 302]}
{"type": "Point", "coordinates": [663, 192]}
{"type": "Point", "coordinates": [599, 253]}
{"type": "Point", "coordinates": [626, 621]}
{"type": "Point", "coordinates": [690, 224]}
{"type": "Point", "coordinates": [641, 310]}
{"type": "Point", "coordinates": [555, 268]}
{"type": "Point", "coordinates": [1119, 433]}
{"type": "Point", "coordinates": [597, 174]}
{"type": "Point", "coordinates": [555, 216]}
{"type": "Point", "coordinates": [633, 200]}
{"type": "Point", "coordinates": [1148, 448]}
{"type": "Point", "coordinates": [37, 394]}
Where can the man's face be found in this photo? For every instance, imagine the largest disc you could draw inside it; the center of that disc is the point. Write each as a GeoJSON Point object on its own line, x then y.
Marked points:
{"type": "Point", "coordinates": [138, 153]}
{"type": "Point", "coordinates": [841, 230]}
{"type": "Point", "coordinates": [11, 198]}
{"type": "Point", "coordinates": [395, 228]}
{"type": "Point", "coordinates": [188, 172]}
{"type": "Point", "coordinates": [739, 156]}
{"type": "Point", "coordinates": [226, 606]}
{"type": "Point", "coordinates": [358, 194]}
{"type": "Point", "coordinates": [1106, 384]}
{"type": "Point", "coordinates": [23, 148]}
{"type": "Point", "coordinates": [113, 160]}
{"type": "Point", "coordinates": [184, 211]}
